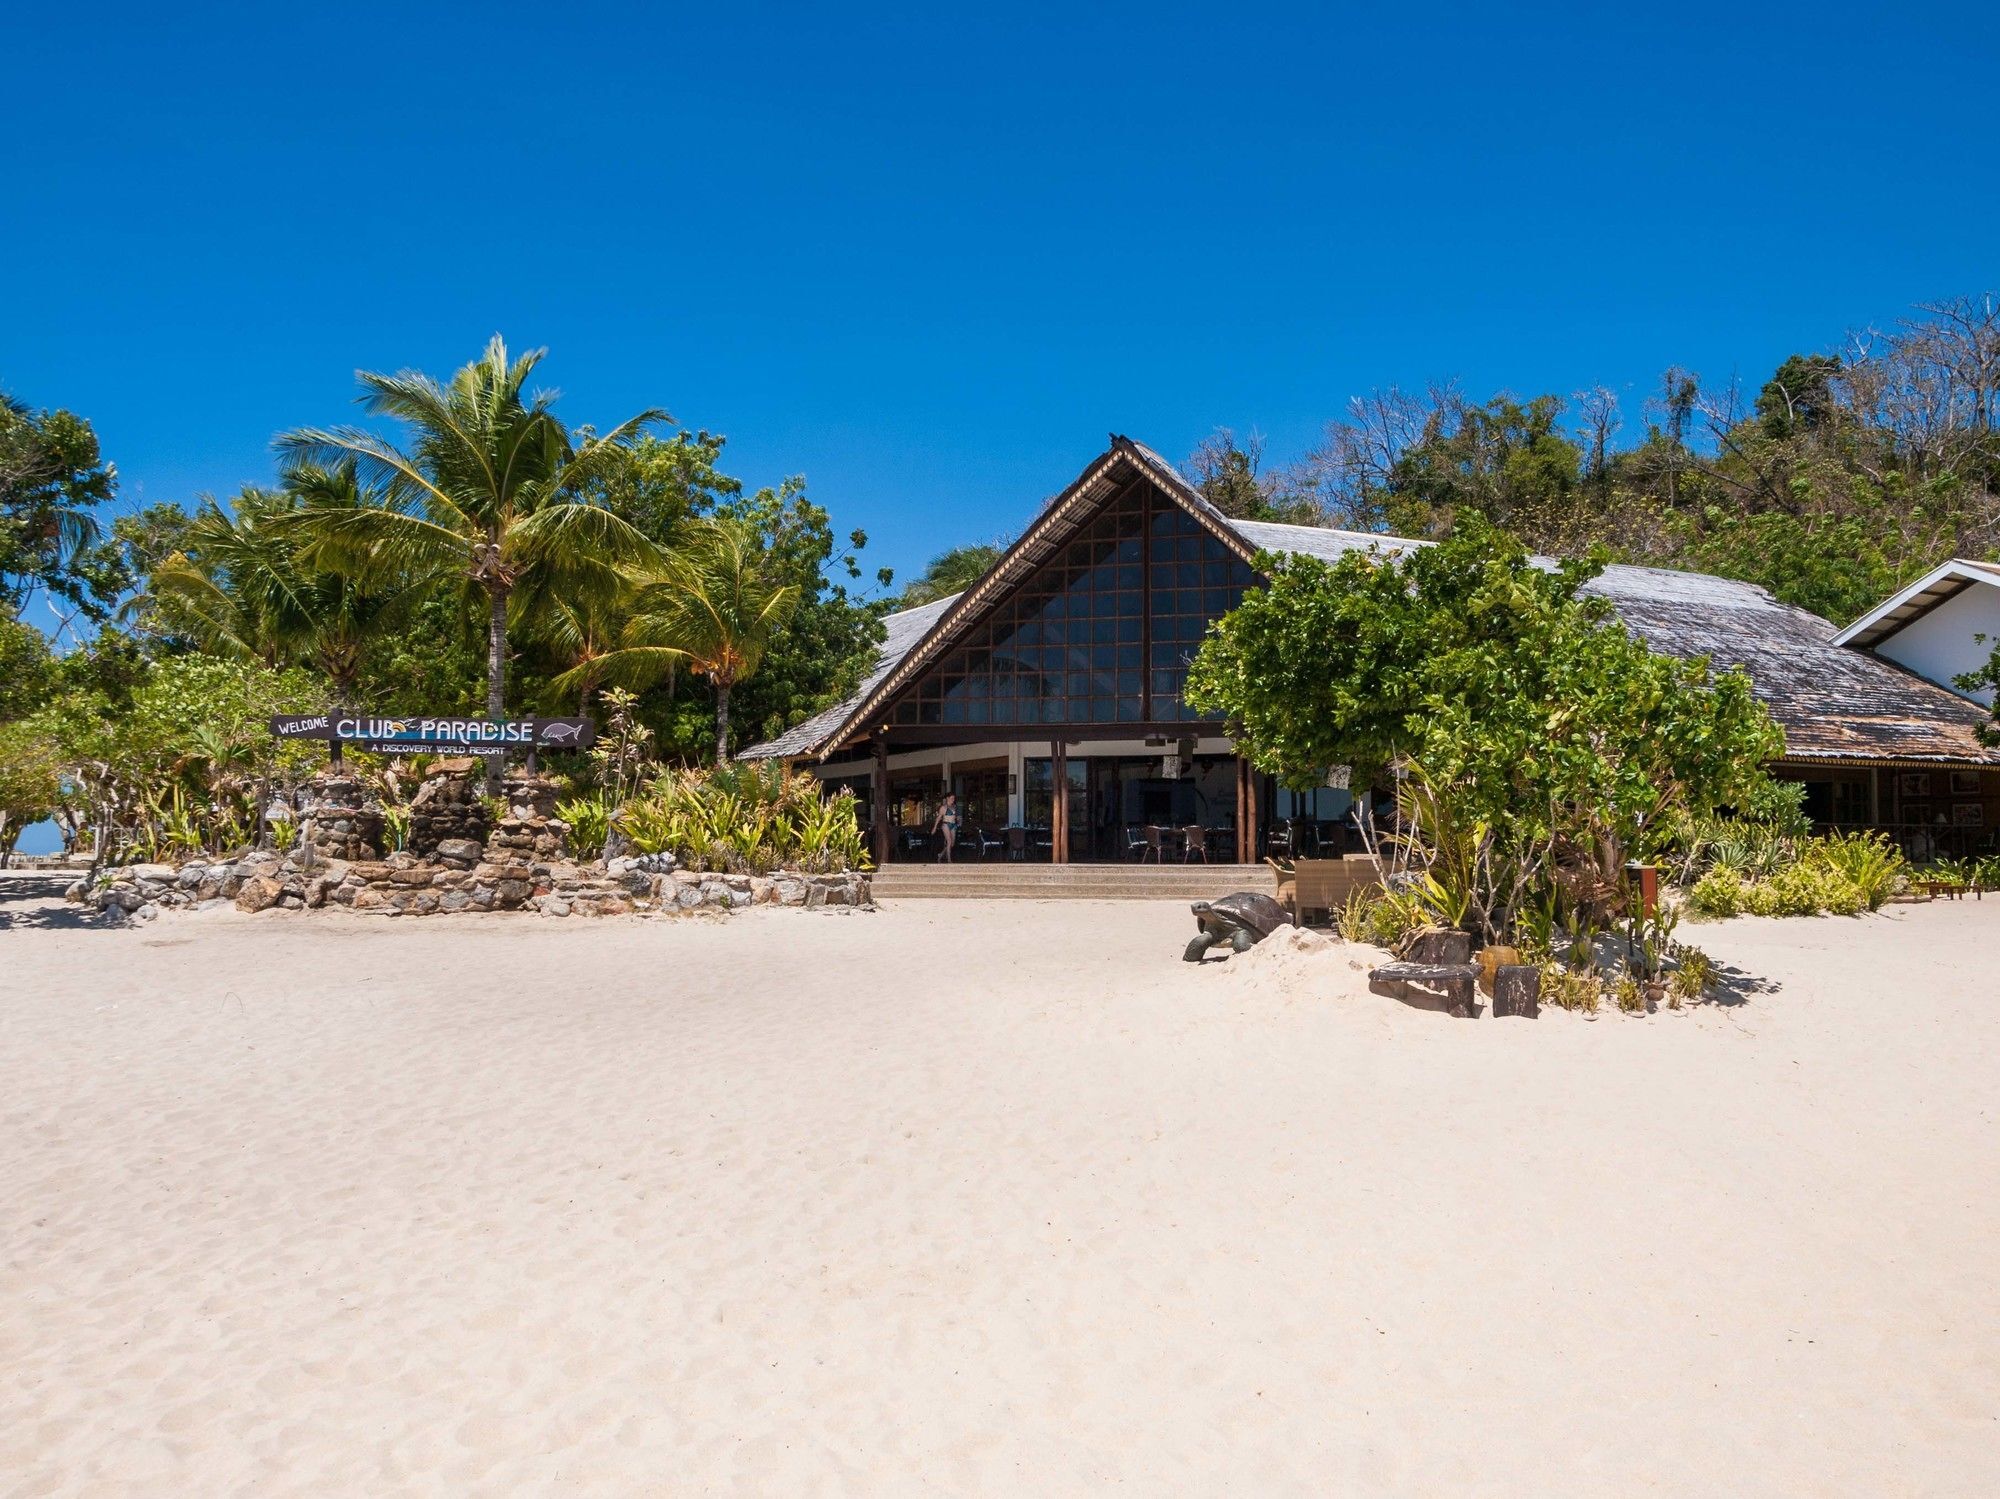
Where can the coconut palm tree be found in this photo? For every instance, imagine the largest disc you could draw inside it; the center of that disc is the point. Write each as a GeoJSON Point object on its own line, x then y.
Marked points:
{"type": "Point", "coordinates": [713, 607]}
{"type": "Point", "coordinates": [488, 489]}
{"type": "Point", "coordinates": [241, 588]}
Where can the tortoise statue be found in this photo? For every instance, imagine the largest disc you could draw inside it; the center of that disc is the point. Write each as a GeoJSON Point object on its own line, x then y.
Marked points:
{"type": "Point", "coordinates": [1240, 921]}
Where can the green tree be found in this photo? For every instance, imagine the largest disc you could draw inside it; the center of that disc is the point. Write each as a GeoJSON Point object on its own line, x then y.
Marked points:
{"type": "Point", "coordinates": [490, 488]}
{"type": "Point", "coordinates": [713, 607]}
{"type": "Point", "coordinates": [1542, 731]}
{"type": "Point", "coordinates": [240, 587]}
{"type": "Point", "coordinates": [31, 787]}
{"type": "Point", "coordinates": [28, 668]}
{"type": "Point", "coordinates": [52, 480]}
{"type": "Point", "coordinates": [1230, 476]}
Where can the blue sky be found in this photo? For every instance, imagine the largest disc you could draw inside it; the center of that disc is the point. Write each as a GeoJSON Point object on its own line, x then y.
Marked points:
{"type": "Point", "coordinates": [928, 261]}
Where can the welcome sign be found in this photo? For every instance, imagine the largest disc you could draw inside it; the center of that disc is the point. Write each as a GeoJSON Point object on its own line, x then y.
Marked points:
{"type": "Point", "coordinates": [460, 736]}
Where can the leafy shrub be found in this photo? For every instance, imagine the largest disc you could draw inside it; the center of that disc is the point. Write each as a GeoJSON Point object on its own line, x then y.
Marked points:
{"type": "Point", "coordinates": [1869, 862]}
{"type": "Point", "coordinates": [1720, 892]}
{"type": "Point", "coordinates": [589, 820]}
{"type": "Point", "coordinates": [1629, 996]}
{"type": "Point", "coordinates": [742, 819]}
{"type": "Point", "coordinates": [1692, 977]}
{"type": "Point", "coordinates": [1842, 875]}
{"type": "Point", "coordinates": [1572, 988]}
{"type": "Point", "coordinates": [1378, 918]}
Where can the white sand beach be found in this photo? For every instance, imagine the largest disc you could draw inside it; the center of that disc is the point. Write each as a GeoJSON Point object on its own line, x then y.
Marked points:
{"type": "Point", "coordinates": [978, 1199]}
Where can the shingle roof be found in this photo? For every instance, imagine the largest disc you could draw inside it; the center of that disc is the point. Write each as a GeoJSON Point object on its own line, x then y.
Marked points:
{"type": "Point", "coordinates": [902, 631]}
{"type": "Point", "coordinates": [1834, 702]}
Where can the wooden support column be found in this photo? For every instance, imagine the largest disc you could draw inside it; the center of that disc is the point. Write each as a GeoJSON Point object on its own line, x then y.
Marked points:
{"type": "Point", "coordinates": [1059, 802]}
{"type": "Point", "coordinates": [879, 833]}
{"type": "Point", "coordinates": [1874, 796]}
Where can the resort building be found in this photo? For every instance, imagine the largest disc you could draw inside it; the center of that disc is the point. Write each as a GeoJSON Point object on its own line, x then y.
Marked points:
{"type": "Point", "coordinates": [1048, 695]}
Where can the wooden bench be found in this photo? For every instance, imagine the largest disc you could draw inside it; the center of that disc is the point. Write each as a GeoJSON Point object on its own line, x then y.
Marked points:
{"type": "Point", "coordinates": [1450, 987]}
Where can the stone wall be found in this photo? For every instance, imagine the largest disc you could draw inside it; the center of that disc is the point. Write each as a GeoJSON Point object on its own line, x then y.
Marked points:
{"type": "Point", "coordinates": [343, 816]}
{"type": "Point", "coordinates": [448, 806]}
{"type": "Point", "coordinates": [459, 876]}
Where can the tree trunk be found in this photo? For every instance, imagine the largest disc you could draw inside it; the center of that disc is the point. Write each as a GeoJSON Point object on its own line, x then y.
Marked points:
{"type": "Point", "coordinates": [496, 676]}
{"type": "Point", "coordinates": [721, 723]}
{"type": "Point", "coordinates": [496, 654]}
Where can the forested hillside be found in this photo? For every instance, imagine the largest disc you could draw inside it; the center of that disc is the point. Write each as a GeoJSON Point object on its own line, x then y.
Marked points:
{"type": "Point", "coordinates": [1842, 476]}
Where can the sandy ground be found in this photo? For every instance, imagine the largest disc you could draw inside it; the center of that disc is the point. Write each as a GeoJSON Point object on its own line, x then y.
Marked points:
{"type": "Point", "coordinates": [980, 1199]}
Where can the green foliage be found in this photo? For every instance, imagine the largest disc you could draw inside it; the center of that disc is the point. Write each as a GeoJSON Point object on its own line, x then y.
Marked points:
{"type": "Point", "coordinates": [1536, 735]}
{"type": "Point", "coordinates": [951, 572]}
{"type": "Point", "coordinates": [28, 670]}
{"type": "Point", "coordinates": [745, 818]}
{"type": "Point", "coordinates": [1986, 679]}
{"type": "Point", "coordinates": [31, 787]}
{"type": "Point", "coordinates": [1571, 988]}
{"type": "Point", "coordinates": [490, 489]}
{"type": "Point", "coordinates": [1869, 862]}
{"type": "Point", "coordinates": [589, 819]}
{"type": "Point", "coordinates": [713, 607]}
{"type": "Point", "coordinates": [52, 479]}
{"type": "Point", "coordinates": [1841, 875]}
{"type": "Point", "coordinates": [177, 762]}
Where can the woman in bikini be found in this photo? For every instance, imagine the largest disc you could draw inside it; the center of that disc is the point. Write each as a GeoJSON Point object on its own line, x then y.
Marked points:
{"type": "Point", "coordinates": [947, 823]}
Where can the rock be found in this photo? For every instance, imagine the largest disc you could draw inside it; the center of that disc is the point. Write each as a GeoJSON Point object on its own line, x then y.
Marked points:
{"type": "Point", "coordinates": [788, 891]}
{"type": "Point", "coordinates": [1490, 959]}
{"type": "Point", "coordinates": [553, 905]}
{"type": "Point", "coordinates": [454, 900]}
{"type": "Point", "coordinates": [1517, 990]}
{"type": "Point", "coordinates": [1438, 945]}
{"type": "Point", "coordinates": [316, 891]}
{"type": "Point", "coordinates": [162, 873]}
{"type": "Point", "coordinates": [258, 893]}
{"type": "Point", "coordinates": [687, 897]}
{"type": "Point", "coordinates": [290, 902]}
{"type": "Point", "coordinates": [460, 851]}
{"type": "Point", "coordinates": [512, 892]}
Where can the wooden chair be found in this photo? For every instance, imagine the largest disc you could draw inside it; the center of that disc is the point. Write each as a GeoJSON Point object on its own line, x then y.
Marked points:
{"type": "Point", "coordinates": [1017, 843]}
{"type": "Point", "coordinates": [1287, 886]}
{"type": "Point", "coordinates": [1194, 838]}
{"type": "Point", "coordinates": [1323, 885]}
{"type": "Point", "coordinates": [1156, 848]}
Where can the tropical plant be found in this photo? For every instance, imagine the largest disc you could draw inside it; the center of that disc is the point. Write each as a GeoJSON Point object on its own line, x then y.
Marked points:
{"type": "Point", "coordinates": [589, 819]}
{"type": "Point", "coordinates": [739, 819]}
{"type": "Point", "coordinates": [1869, 862]}
{"type": "Point", "coordinates": [713, 606]}
{"type": "Point", "coordinates": [240, 588]}
{"type": "Point", "coordinates": [490, 489]}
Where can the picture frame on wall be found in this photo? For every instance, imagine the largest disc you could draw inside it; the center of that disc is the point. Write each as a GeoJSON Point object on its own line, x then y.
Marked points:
{"type": "Point", "coordinates": [1914, 783]}
{"type": "Point", "coordinates": [1968, 814]}
{"type": "Point", "coordinates": [1965, 783]}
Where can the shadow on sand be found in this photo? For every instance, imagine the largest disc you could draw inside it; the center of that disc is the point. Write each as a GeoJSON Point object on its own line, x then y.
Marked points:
{"type": "Point", "coordinates": [30, 902]}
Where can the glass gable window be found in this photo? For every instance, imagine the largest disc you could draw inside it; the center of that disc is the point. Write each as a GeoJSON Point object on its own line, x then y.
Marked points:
{"type": "Point", "coordinates": [1101, 633]}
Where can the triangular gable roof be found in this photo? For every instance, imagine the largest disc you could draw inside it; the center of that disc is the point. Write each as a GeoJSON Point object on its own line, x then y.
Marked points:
{"type": "Point", "coordinates": [1834, 704]}
{"type": "Point", "coordinates": [1060, 519]}
{"type": "Point", "coordinates": [1945, 581]}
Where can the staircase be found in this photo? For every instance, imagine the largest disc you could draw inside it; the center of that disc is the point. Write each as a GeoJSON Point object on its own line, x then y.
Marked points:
{"type": "Point", "coordinates": [1002, 880]}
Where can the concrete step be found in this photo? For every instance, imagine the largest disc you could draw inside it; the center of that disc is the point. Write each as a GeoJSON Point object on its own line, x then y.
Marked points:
{"type": "Point", "coordinates": [1068, 881]}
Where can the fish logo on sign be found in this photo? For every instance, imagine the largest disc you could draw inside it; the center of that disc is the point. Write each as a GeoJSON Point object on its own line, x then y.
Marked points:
{"type": "Point", "coordinates": [560, 733]}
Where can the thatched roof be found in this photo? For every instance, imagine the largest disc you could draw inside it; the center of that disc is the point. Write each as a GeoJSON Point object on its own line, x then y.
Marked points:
{"type": "Point", "coordinates": [1834, 702]}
